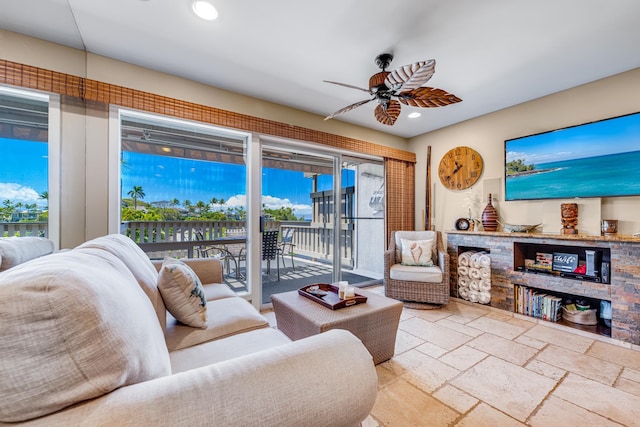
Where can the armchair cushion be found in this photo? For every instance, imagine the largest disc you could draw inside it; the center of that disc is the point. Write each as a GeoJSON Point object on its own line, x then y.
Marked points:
{"type": "Point", "coordinates": [417, 252]}
{"type": "Point", "coordinates": [409, 273]}
{"type": "Point", "coordinates": [183, 293]}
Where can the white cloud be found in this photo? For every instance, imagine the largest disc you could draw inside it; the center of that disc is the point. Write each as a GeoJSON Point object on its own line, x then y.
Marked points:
{"type": "Point", "coordinates": [19, 193]}
{"type": "Point", "coordinates": [270, 202]}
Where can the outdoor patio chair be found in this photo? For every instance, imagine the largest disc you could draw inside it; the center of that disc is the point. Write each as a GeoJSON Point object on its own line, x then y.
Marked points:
{"type": "Point", "coordinates": [287, 243]}
{"type": "Point", "coordinates": [221, 252]}
{"type": "Point", "coordinates": [270, 249]}
{"type": "Point", "coordinates": [237, 250]}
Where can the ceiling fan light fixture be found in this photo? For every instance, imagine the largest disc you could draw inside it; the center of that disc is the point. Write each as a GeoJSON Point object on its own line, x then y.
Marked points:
{"type": "Point", "coordinates": [414, 115]}
{"type": "Point", "coordinates": [204, 10]}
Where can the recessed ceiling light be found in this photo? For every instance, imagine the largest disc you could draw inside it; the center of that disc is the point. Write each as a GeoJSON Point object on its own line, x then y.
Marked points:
{"type": "Point", "coordinates": [414, 115]}
{"type": "Point", "coordinates": [204, 10]}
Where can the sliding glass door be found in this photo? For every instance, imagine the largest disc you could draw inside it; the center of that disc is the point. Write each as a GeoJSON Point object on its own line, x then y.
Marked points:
{"type": "Point", "coordinates": [313, 199]}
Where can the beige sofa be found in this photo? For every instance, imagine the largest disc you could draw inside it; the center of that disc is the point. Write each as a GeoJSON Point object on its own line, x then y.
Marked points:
{"type": "Point", "coordinates": [86, 340]}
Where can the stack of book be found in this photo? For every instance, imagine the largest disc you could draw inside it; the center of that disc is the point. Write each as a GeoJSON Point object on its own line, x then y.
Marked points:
{"type": "Point", "coordinates": [533, 302]}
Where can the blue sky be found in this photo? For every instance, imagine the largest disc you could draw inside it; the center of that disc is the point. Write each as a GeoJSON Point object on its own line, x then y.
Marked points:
{"type": "Point", "coordinates": [166, 178]}
{"type": "Point", "coordinates": [23, 171]}
{"type": "Point", "coordinates": [23, 176]}
{"type": "Point", "coordinates": [617, 135]}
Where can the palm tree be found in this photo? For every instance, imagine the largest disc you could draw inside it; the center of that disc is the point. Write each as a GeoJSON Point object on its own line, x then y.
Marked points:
{"type": "Point", "coordinates": [175, 202]}
{"type": "Point", "coordinates": [44, 196]}
{"type": "Point", "coordinates": [136, 193]}
{"type": "Point", "coordinates": [213, 202]}
{"type": "Point", "coordinates": [200, 206]}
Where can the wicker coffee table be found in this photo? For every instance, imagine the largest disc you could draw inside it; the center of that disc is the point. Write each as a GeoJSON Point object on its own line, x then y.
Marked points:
{"type": "Point", "coordinates": [375, 322]}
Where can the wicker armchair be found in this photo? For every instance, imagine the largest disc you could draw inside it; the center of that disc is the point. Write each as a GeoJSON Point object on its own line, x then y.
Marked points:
{"type": "Point", "coordinates": [416, 283]}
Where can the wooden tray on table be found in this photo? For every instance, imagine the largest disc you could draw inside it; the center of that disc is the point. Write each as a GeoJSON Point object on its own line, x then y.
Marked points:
{"type": "Point", "coordinates": [327, 295]}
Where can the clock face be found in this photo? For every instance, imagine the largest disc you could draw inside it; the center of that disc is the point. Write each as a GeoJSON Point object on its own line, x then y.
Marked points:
{"type": "Point", "coordinates": [462, 224]}
{"type": "Point", "coordinates": [460, 168]}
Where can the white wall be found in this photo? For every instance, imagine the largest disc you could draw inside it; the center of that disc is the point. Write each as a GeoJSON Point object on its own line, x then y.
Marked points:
{"type": "Point", "coordinates": [601, 99]}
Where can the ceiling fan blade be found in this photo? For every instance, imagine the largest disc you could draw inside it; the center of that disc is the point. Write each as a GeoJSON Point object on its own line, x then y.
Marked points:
{"type": "Point", "coordinates": [347, 85]}
{"type": "Point", "coordinates": [348, 108]}
{"type": "Point", "coordinates": [388, 113]}
{"type": "Point", "coordinates": [427, 97]}
{"type": "Point", "coordinates": [409, 77]}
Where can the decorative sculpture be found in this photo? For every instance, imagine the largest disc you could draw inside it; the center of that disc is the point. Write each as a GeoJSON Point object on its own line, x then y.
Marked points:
{"type": "Point", "coordinates": [569, 214]}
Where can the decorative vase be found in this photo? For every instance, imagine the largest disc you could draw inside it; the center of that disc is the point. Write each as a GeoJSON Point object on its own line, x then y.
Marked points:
{"type": "Point", "coordinates": [489, 217]}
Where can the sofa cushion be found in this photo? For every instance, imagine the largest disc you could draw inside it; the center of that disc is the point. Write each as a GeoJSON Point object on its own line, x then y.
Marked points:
{"type": "Point", "coordinates": [417, 252]}
{"type": "Point", "coordinates": [415, 274]}
{"type": "Point", "coordinates": [213, 291]}
{"type": "Point", "coordinates": [16, 250]}
{"type": "Point", "coordinates": [225, 348]}
{"type": "Point", "coordinates": [183, 293]}
{"type": "Point", "coordinates": [226, 317]}
{"type": "Point", "coordinates": [73, 326]}
{"type": "Point", "coordinates": [138, 263]}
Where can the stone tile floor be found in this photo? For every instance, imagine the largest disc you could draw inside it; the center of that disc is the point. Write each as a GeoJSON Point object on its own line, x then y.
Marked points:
{"type": "Point", "coordinates": [471, 365]}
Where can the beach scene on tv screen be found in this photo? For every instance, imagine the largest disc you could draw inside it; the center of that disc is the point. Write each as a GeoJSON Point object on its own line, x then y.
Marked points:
{"type": "Point", "coordinates": [599, 159]}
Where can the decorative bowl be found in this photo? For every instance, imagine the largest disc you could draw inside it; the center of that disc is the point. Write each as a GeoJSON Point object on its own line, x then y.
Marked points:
{"type": "Point", "coordinates": [518, 228]}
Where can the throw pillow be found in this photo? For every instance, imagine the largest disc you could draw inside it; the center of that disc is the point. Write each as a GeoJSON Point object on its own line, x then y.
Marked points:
{"type": "Point", "coordinates": [417, 252]}
{"type": "Point", "coordinates": [183, 293]}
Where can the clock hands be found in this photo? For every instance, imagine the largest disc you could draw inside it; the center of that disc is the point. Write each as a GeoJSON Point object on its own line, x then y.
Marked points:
{"type": "Point", "coordinates": [458, 167]}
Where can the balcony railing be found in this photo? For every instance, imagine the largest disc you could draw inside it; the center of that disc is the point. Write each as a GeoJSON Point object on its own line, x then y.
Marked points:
{"type": "Point", "coordinates": [311, 239]}
{"type": "Point", "coordinates": [22, 229]}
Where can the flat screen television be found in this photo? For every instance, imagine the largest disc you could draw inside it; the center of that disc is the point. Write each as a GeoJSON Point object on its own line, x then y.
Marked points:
{"type": "Point", "coordinates": [597, 159]}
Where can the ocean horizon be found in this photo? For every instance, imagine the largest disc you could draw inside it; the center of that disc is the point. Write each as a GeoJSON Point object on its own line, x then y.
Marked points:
{"type": "Point", "coordinates": [599, 176]}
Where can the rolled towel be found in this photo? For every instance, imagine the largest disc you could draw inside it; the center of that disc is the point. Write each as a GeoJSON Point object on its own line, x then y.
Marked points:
{"type": "Point", "coordinates": [484, 285]}
{"type": "Point", "coordinates": [463, 270]}
{"type": "Point", "coordinates": [463, 282]}
{"type": "Point", "coordinates": [485, 260]}
{"type": "Point", "coordinates": [485, 272]}
{"type": "Point", "coordinates": [474, 273]}
{"type": "Point", "coordinates": [473, 296]}
{"type": "Point", "coordinates": [484, 297]}
{"type": "Point", "coordinates": [464, 293]}
{"type": "Point", "coordinates": [473, 262]}
{"type": "Point", "coordinates": [474, 285]}
{"type": "Point", "coordinates": [464, 259]}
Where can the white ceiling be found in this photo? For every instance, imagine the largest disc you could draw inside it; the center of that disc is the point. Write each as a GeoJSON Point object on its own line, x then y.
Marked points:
{"type": "Point", "coordinates": [492, 53]}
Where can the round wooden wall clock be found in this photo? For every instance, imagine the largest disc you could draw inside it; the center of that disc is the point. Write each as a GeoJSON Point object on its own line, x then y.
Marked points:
{"type": "Point", "coordinates": [460, 168]}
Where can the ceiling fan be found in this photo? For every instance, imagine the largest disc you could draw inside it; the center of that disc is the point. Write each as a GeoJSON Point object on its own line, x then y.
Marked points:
{"type": "Point", "coordinates": [402, 85]}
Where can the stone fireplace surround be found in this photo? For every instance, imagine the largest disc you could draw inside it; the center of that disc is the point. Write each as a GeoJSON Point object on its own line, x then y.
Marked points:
{"type": "Point", "coordinates": [623, 290]}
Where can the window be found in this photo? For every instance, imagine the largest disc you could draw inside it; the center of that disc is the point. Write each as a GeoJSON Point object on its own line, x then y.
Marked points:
{"type": "Point", "coordinates": [179, 181]}
{"type": "Point", "coordinates": [24, 175]}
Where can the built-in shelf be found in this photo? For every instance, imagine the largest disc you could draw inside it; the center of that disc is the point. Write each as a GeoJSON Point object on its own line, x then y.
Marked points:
{"type": "Point", "coordinates": [508, 252]}
{"type": "Point", "coordinates": [601, 328]}
{"type": "Point", "coordinates": [597, 261]}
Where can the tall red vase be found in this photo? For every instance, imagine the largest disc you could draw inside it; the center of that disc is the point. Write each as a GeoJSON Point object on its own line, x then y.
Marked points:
{"type": "Point", "coordinates": [490, 217]}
